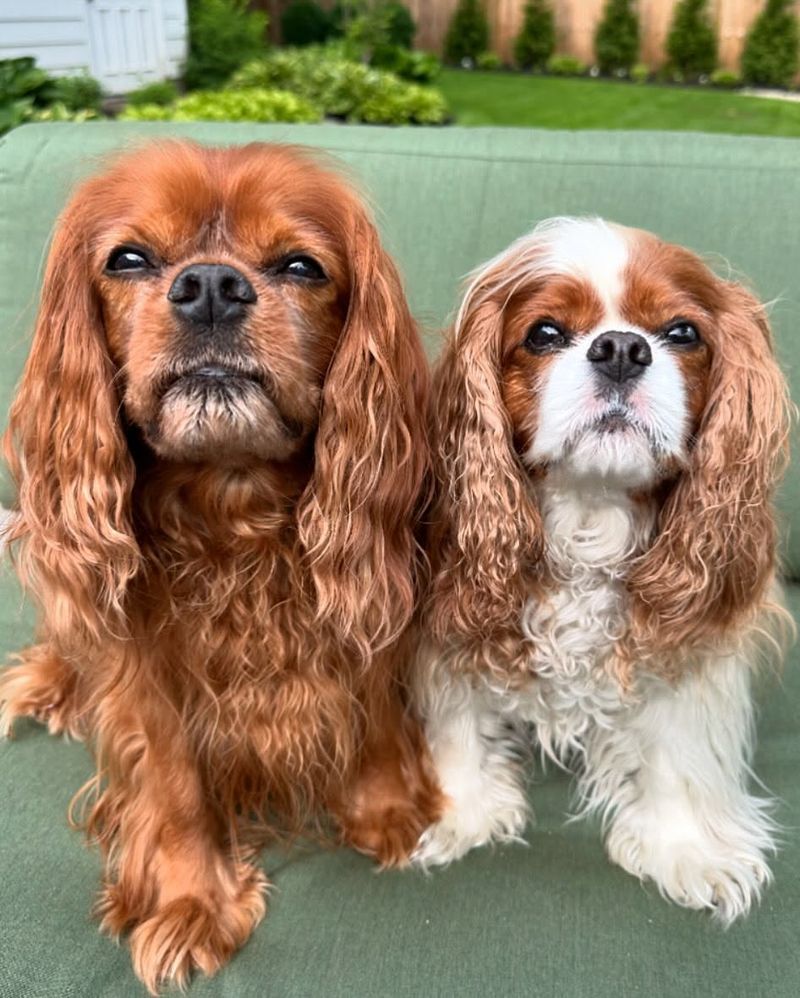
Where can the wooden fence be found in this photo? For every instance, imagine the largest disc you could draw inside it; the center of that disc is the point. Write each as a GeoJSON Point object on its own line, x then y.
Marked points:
{"type": "Point", "coordinates": [576, 21]}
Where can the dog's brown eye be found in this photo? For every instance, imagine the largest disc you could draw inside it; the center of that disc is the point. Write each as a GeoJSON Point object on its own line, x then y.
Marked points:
{"type": "Point", "coordinates": [125, 259]}
{"type": "Point", "coordinates": [304, 267]}
{"type": "Point", "coordinates": [545, 336]}
{"type": "Point", "coordinates": [681, 334]}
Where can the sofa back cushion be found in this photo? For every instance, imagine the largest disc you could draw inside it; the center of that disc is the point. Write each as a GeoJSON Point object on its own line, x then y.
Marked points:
{"type": "Point", "coordinates": [447, 199]}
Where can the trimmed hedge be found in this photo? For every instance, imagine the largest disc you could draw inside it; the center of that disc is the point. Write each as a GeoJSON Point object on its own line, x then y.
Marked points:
{"type": "Point", "coordinates": [691, 43]}
{"type": "Point", "coordinates": [770, 57]}
{"type": "Point", "coordinates": [468, 34]}
{"type": "Point", "coordinates": [536, 41]}
{"type": "Point", "coordinates": [616, 41]}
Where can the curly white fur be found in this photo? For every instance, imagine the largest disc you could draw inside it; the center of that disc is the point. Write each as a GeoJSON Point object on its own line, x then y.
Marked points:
{"type": "Point", "coordinates": [666, 767]}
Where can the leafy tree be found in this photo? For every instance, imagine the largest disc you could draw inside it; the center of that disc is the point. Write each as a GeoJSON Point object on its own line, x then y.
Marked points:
{"type": "Point", "coordinates": [691, 43]}
{"type": "Point", "coordinates": [770, 57]}
{"type": "Point", "coordinates": [468, 34]}
{"type": "Point", "coordinates": [537, 40]}
{"type": "Point", "coordinates": [616, 41]}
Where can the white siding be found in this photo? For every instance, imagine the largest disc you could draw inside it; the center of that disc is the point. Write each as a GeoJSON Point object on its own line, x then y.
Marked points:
{"type": "Point", "coordinates": [55, 32]}
{"type": "Point", "coordinates": [124, 43]}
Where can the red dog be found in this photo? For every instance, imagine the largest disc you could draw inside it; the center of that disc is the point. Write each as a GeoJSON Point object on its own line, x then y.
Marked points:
{"type": "Point", "coordinates": [219, 446]}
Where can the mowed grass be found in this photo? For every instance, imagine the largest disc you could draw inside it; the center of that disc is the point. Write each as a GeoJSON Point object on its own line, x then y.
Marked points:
{"type": "Point", "coordinates": [477, 98]}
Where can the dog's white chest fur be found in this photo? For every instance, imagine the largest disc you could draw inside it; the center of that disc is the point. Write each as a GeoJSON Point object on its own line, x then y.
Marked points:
{"type": "Point", "coordinates": [681, 818]}
{"type": "Point", "coordinates": [592, 536]}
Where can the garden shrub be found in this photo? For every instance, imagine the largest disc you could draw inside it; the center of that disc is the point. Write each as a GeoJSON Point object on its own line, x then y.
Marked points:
{"type": "Point", "coordinates": [725, 78]}
{"type": "Point", "coordinates": [488, 60]}
{"type": "Point", "coordinates": [28, 93]}
{"type": "Point", "coordinates": [77, 93]}
{"type": "Point", "coordinates": [162, 93]}
{"type": "Point", "coordinates": [342, 88]}
{"type": "Point", "coordinates": [305, 22]}
{"type": "Point", "coordinates": [468, 34]}
{"type": "Point", "coordinates": [640, 73]}
{"type": "Point", "coordinates": [223, 35]}
{"type": "Point", "coordinates": [397, 24]}
{"type": "Point", "coordinates": [691, 42]}
{"type": "Point", "coordinates": [401, 27]}
{"type": "Point", "coordinates": [616, 41]}
{"type": "Point", "coordinates": [537, 39]}
{"type": "Point", "coordinates": [22, 79]}
{"type": "Point", "coordinates": [420, 67]}
{"type": "Point", "coordinates": [251, 104]}
{"type": "Point", "coordinates": [770, 57]}
{"type": "Point", "coordinates": [565, 65]}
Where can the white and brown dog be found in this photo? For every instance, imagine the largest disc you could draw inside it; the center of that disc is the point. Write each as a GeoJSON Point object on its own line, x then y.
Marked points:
{"type": "Point", "coordinates": [609, 424]}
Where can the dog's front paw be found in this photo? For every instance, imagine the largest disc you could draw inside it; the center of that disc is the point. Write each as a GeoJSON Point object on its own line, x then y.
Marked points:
{"type": "Point", "coordinates": [696, 869]}
{"type": "Point", "coordinates": [385, 819]}
{"type": "Point", "coordinates": [188, 933]}
{"type": "Point", "coordinates": [470, 823]}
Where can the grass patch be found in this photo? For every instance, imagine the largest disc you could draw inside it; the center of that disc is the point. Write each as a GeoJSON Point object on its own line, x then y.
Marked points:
{"type": "Point", "coordinates": [478, 98]}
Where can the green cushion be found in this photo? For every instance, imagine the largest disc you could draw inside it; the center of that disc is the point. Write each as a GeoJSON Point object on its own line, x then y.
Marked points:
{"type": "Point", "coordinates": [446, 199]}
{"type": "Point", "coordinates": [553, 919]}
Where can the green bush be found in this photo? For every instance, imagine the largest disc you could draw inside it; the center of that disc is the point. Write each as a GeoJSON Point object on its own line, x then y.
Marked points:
{"type": "Point", "coordinates": [537, 39]}
{"type": "Point", "coordinates": [400, 24]}
{"type": "Point", "coordinates": [344, 89]}
{"type": "Point", "coordinates": [397, 26]}
{"type": "Point", "coordinates": [616, 41]}
{"type": "Point", "coordinates": [770, 57]}
{"type": "Point", "coordinates": [488, 61]}
{"type": "Point", "coordinates": [691, 42]}
{"type": "Point", "coordinates": [565, 65]}
{"type": "Point", "coordinates": [252, 104]}
{"type": "Point", "coordinates": [468, 33]}
{"type": "Point", "coordinates": [162, 93]}
{"type": "Point", "coordinates": [725, 78]}
{"type": "Point", "coordinates": [304, 22]}
{"type": "Point", "coordinates": [22, 79]}
{"type": "Point", "coordinates": [420, 67]}
{"type": "Point", "coordinates": [640, 73]}
{"type": "Point", "coordinates": [28, 93]}
{"type": "Point", "coordinates": [223, 35]}
{"type": "Point", "coordinates": [77, 93]}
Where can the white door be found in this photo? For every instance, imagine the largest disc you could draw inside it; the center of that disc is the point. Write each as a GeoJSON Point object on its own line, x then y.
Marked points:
{"type": "Point", "coordinates": [127, 43]}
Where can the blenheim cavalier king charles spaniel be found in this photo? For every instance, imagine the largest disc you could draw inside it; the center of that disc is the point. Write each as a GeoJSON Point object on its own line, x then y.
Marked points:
{"type": "Point", "coordinates": [609, 425]}
{"type": "Point", "coordinates": [220, 447]}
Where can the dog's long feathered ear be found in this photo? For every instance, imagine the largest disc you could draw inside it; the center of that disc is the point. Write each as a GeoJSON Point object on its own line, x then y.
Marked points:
{"type": "Point", "coordinates": [67, 453]}
{"type": "Point", "coordinates": [371, 458]}
{"type": "Point", "coordinates": [714, 553]}
{"type": "Point", "coordinates": [486, 532]}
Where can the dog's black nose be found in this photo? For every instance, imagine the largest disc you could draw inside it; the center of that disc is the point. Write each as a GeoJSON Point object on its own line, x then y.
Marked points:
{"type": "Point", "coordinates": [209, 294]}
{"type": "Point", "coordinates": [620, 356]}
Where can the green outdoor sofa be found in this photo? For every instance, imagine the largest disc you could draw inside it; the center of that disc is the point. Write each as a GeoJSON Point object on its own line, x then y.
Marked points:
{"type": "Point", "coordinates": [555, 918]}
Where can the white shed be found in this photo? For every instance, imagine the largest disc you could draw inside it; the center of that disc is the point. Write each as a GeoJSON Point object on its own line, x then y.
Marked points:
{"type": "Point", "coordinates": [124, 43]}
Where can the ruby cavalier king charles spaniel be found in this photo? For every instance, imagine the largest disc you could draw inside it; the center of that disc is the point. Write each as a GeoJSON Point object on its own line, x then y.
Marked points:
{"type": "Point", "coordinates": [220, 447]}
{"type": "Point", "coordinates": [609, 423]}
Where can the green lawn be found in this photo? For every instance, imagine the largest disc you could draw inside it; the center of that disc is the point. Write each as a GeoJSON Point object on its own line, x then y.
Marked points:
{"type": "Point", "coordinates": [547, 102]}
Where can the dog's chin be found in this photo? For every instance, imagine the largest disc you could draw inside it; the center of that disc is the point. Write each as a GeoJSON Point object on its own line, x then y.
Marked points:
{"type": "Point", "coordinates": [222, 419]}
{"type": "Point", "coordinates": [614, 454]}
